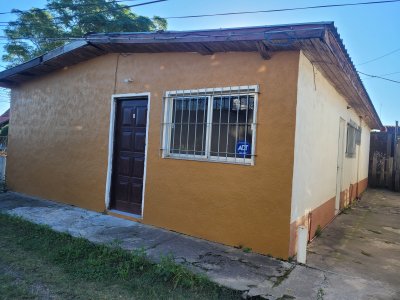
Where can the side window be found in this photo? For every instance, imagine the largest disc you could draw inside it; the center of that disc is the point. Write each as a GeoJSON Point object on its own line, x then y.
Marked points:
{"type": "Point", "coordinates": [353, 139]}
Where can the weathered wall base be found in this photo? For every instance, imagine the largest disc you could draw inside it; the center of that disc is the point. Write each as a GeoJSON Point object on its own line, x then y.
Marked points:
{"type": "Point", "coordinates": [324, 214]}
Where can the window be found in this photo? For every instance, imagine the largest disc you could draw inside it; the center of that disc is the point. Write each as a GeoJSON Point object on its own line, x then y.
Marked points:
{"type": "Point", "coordinates": [358, 136]}
{"type": "Point", "coordinates": [353, 138]}
{"type": "Point", "coordinates": [211, 124]}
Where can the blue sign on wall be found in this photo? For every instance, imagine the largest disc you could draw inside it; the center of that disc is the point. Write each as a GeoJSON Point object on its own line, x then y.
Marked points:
{"type": "Point", "coordinates": [243, 148]}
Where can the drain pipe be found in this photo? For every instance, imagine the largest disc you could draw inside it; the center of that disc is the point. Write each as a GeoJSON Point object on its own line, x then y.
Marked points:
{"type": "Point", "coordinates": [302, 244]}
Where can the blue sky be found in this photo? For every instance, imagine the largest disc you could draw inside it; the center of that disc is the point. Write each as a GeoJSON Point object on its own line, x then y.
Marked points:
{"type": "Point", "coordinates": [368, 32]}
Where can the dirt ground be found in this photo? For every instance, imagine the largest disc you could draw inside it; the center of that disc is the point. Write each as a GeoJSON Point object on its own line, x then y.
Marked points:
{"type": "Point", "coordinates": [363, 242]}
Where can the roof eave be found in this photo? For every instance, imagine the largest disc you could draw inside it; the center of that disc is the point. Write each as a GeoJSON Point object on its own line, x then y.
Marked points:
{"type": "Point", "coordinates": [320, 42]}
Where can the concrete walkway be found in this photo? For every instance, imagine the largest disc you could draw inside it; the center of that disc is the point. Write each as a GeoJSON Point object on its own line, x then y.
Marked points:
{"type": "Point", "coordinates": [364, 241]}
{"type": "Point", "coordinates": [256, 275]}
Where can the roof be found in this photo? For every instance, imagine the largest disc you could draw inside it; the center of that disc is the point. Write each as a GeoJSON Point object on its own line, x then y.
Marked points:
{"type": "Point", "coordinates": [5, 117]}
{"type": "Point", "coordinates": [391, 129]}
{"type": "Point", "coordinates": [320, 42]}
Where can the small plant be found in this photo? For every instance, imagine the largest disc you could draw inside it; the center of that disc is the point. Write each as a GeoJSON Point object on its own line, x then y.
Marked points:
{"type": "Point", "coordinates": [318, 231]}
{"type": "Point", "coordinates": [169, 271]}
{"type": "Point", "coordinates": [243, 248]}
{"type": "Point", "coordinates": [320, 295]}
{"type": "Point", "coordinates": [247, 249]}
{"type": "Point", "coordinates": [281, 278]}
{"type": "Point", "coordinates": [346, 210]}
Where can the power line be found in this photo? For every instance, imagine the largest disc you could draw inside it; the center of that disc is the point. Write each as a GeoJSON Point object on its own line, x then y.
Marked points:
{"type": "Point", "coordinates": [387, 74]}
{"type": "Point", "coordinates": [43, 38]}
{"type": "Point", "coordinates": [379, 57]}
{"type": "Point", "coordinates": [257, 11]}
{"type": "Point", "coordinates": [17, 11]}
{"type": "Point", "coordinates": [282, 9]}
{"type": "Point", "coordinates": [379, 77]}
{"type": "Point", "coordinates": [94, 13]}
{"type": "Point", "coordinates": [126, 6]}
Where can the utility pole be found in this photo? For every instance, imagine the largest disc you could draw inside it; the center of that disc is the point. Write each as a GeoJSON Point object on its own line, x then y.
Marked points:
{"type": "Point", "coordinates": [396, 158]}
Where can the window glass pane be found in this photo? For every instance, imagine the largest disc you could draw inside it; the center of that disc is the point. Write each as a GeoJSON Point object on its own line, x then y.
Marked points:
{"type": "Point", "coordinates": [231, 132]}
{"type": "Point", "coordinates": [358, 136]}
{"type": "Point", "coordinates": [188, 125]}
{"type": "Point", "coordinates": [351, 141]}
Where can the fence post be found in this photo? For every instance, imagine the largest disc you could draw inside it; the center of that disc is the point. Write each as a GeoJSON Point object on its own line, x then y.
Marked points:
{"type": "Point", "coordinates": [397, 167]}
{"type": "Point", "coordinates": [382, 172]}
{"type": "Point", "coordinates": [395, 162]}
{"type": "Point", "coordinates": [389, 173]}
{"type": "Point", "coordinates": [373, 169]}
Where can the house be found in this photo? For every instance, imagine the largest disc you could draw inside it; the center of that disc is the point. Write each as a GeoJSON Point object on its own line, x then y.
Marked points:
{"type": "Point", "coordinates": [5, 118]}
{"type": "Point", "coordinates": [236, 136]}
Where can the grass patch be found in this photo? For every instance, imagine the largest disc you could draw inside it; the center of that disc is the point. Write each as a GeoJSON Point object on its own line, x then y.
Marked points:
{"type": "Point", "coordinates": [11, 289]}
{"type": "Point", "coordinates": [45, 261]}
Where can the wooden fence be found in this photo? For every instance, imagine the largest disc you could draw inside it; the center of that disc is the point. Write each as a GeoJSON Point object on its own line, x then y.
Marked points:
{"type": "Point", "coordinates": [384, 160]}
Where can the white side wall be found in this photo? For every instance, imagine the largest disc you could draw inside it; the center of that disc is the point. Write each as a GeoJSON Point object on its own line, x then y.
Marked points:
{"type": "Point", "coordinates": [319, 109]}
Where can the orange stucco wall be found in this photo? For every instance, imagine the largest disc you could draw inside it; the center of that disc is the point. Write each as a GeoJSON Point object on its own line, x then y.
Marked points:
{"type": "Point", "coordinates": [59, 137]}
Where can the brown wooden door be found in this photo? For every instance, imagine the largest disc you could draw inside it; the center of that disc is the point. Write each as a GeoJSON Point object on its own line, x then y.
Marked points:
{"type": "Point", "coordinates": [129, 155]}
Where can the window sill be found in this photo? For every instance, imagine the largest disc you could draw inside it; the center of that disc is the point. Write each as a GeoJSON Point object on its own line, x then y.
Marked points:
{"type": "Point", "coordinates": [231, 161]}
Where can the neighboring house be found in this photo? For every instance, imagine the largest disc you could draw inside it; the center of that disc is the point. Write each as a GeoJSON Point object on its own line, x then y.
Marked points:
{"type": "Point", "coordinates": [232, 135]}
{"type": "Point", "coordinates": [5, 118]}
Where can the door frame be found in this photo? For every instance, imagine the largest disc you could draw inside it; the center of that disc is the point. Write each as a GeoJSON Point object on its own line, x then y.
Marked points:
{"type": "Point", "coordinates": [340, 161]}
{"type": "Point", "coordinates": [111, 136]}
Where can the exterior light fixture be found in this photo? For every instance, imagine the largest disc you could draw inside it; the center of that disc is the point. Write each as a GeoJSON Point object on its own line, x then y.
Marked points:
{"type": "Point", "coordinates": [128, 80]}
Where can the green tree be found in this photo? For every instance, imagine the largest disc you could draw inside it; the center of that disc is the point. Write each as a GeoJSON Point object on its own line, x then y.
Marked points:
{"type": "Point", "coordinates": [38, 31]}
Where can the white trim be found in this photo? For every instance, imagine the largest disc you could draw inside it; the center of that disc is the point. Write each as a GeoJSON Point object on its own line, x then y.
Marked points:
{"type": "Point", "coordinates": [210, 113]}
{"type": "Point", "coordinates": [254, 128]}
{"type": "Point", "coordinates": [203, 92]}
{"type": "Point", "coordinates": [213, 159]}
{"type": "Point", "coordinates": [340, 160]}
{"type": "Point", "coordinates": [110, 152]}
{"type": "Point", "coordinates": [209, 93]}
{"type": "Point", "coordinates": [114, 99]}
